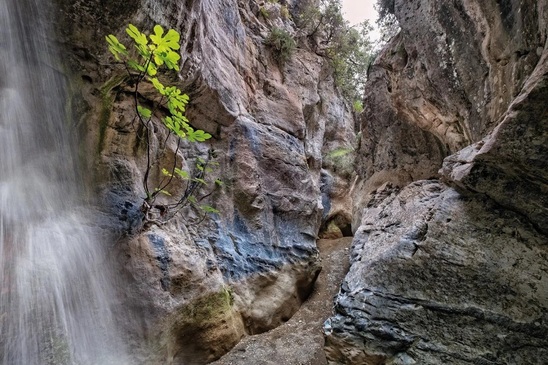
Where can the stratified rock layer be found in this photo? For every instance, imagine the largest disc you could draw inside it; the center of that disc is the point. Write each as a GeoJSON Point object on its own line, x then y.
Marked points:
{"type": "Point", "coordinates": [443, 83]}
{"type": "Point", "coordinates": [451, 272]}
{"type": "Point", "coordinates": [439, 278]}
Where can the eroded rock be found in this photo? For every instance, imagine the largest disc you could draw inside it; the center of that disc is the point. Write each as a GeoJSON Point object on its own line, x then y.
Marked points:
{"type": "Point", "coordinates": [272, 127]}
{"type": "Point", "coordinates": [442, 84]}
{"type": "Point", "coordinates": [442, 275]}
{"type": "Point", "coordinates": [440, 278]}
{"type": "Point", "coordinates": [509, 165]}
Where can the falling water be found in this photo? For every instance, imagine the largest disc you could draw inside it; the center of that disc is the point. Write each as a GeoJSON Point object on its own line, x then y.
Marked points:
{"type": "Point", "coordinates": [55, 290]}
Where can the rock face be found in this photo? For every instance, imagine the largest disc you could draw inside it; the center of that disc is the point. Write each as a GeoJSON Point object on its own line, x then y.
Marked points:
{"type": "Point", "coordinates": [509, 165]}
{"type": "Point", "coordinates": [253, 264]}
{"type": "Point", "coordinates": [439, 278]}
{"type": "Point", "coordinates": [299, 340]}
{"type": "Point", "coordinates": [451, 271]}
{"type": "Point", "coordinates": [443, 83]}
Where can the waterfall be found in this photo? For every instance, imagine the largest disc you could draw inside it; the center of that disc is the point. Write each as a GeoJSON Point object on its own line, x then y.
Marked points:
{"type": "Point", "coordinates": [56, 287]}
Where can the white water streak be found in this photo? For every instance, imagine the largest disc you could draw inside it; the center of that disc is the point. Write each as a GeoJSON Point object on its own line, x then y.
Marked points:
{"type": "Point", "coordinates": [56, 292]}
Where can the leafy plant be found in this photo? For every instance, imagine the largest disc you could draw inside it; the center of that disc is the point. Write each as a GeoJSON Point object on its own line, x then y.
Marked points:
{"type": "Point", "coordinates": [341, 160]}
{"type": "Point", "coordinates": [385, 8]}
{"type": "Point", "coordinates": [348, 49]}
{"type": "Point", "coordinates": [151, 55]}
{"type": "Point", "coordinates": [283, 43]}
{"type": "Point", "coordinates": [357, 106]}
{"type": "Point", "coordinates": [389, 27]}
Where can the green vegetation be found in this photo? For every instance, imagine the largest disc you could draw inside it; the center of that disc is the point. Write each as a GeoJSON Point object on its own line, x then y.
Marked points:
{"type": "Point", "coordinates": [341, 160]}
{"type": "Point", "coordinates": [385, 8]}
{"type": "Point", "coordinates": [284, 12]}
{"type": "Point", "coordinates": [357, 106]}
{"type": "Point", "coordinates": [282, 43]}
{"type": "Point", "coordinates": [347, 48]}
{"type": "Point", "coordinates": [150, 55]}
{"type": "Point", "coordinates": [387, 22]}
{"type": "Point", "coordinates": [209, 309]}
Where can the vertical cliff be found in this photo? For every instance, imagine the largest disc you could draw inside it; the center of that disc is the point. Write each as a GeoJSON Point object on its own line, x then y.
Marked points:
{"type": "Point", "coordinates": [451, 270]}
{"type": "Point", "coordinates": [196, 286]}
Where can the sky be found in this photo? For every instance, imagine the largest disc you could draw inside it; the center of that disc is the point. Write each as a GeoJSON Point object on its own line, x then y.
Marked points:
{"type": "Point", "coordinates": [356, 11]}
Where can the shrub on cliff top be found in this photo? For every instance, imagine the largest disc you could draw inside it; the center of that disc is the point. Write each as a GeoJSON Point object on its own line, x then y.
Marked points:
{"type": "Point", "coordinates": [348, 49]}
{"type": "Point", "coordinates": [385, 8]}
{"type": "Point", "coordinates": [282, 43]}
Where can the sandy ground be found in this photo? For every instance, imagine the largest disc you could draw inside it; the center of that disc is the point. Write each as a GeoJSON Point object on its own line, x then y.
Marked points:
{"type": "Point", "coordinates": [300, 340]}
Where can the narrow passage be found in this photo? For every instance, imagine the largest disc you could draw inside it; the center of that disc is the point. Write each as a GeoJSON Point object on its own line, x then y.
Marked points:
{"type": "Point", "coordinates": [300, 340]}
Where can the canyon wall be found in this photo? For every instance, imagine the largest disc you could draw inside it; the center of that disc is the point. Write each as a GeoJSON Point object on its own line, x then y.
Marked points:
{"type": "Point", "coordinates": [448, 263]}
{"type": "Point", "coordinates": [195, 285]}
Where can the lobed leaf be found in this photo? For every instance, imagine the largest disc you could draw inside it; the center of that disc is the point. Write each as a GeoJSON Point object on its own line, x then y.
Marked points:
{"type": "Point", "coordinates": [115, 47]}
{"type": "Point", "coordinates": [144, 112]}
{"type": "Point", "coordinates": [138, 37]}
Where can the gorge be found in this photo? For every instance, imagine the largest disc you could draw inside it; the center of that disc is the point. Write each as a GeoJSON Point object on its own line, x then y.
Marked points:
{"type": "Point", "coordinates": [443, 186]}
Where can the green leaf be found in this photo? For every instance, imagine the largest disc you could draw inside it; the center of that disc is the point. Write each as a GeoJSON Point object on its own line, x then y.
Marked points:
{"type": "Point", "coordinates": [164, 47]}
{"type": "Point", "coordinates": [219, 182]}
{"type": "Point", "coordinates": [209, 209]}
{"type": "Point", "coordinates": [165, 192]}
{"type": "Point", "coordinates": [169, 58]}
{"type": "Point", "coordinates": [136, 66]}
{"type": "Point", "coordinates": [166, 173]}
{"type": "Point", "coordinates": [177, 101]}
{"type": "Point", "coordinates": [157, 36]}
{"type": "Point", "coordinates": [198, 180]}
{"type": "Point", "coordinates": [115, 47]}
{"type": "Point", "coordinates": [158, 85]}
{"type": "Point", "coordinates": [168, 42]}
{"type": "Point", "coordinates": [182, 173]}
{"type": "Point", "coordinates": [198, 136]}
{"type": "Point", "coordinates": [192, 199]}
{"type": "Point", "coordinates": [174, 125]}
{"type": "Point", "coordinates": [152, 70]}
{"type": "Point", "coordinates": [172, 39]}
{"type": "Point", "coordinates": [138, 37]}
{"type": "Point", "coordinates": [144, 112]}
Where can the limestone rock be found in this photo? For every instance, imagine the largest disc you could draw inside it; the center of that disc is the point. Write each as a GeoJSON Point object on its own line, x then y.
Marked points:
{"type": "Point", "coordinates": [440, 278]}
{"type": "Point", "coordinates": [451, 275]}
{"type": "Point", "coordinates": [442, 84]}
{"type": "Point", "coordinates": [271, 129]}
{"type": "Point", "coordinates": [509, 165]}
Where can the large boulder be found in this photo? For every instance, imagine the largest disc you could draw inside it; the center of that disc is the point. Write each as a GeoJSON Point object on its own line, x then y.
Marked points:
{"type": "Point", "coordinates": [440, 278]}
